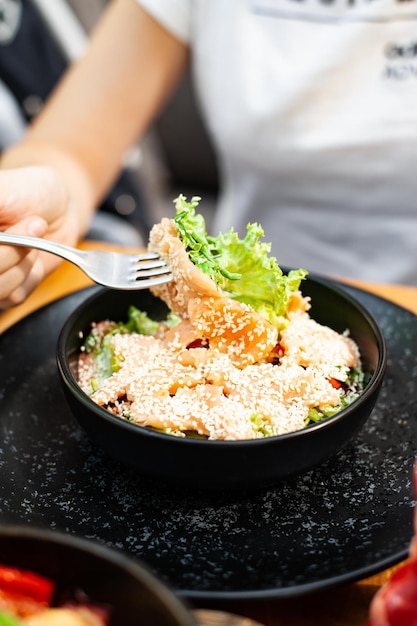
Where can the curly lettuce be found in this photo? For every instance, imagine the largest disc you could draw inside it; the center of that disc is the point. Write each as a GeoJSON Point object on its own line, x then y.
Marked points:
{"type": "Point", "coordinates": [242, 268]}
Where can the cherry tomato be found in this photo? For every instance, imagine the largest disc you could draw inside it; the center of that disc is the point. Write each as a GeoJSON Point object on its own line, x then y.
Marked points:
{"type": "Point", "coordinates": [22, 591]}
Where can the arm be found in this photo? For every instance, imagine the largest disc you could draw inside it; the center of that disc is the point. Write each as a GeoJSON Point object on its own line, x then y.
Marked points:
{"type": "Point", "coordinates": [77, 144]}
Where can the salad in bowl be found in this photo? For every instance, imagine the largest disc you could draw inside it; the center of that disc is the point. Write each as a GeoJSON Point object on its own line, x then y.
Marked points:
{"type": "Point", "coordinates": [242, 371]}
{"type": "Point", "coordinates": [237, 356]}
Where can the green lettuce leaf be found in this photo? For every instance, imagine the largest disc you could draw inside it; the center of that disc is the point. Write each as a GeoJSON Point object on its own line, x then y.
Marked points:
{"type": "Point", "coordinates": [9, 620]}
{"type": "Point", "coordinates": [243, 268]}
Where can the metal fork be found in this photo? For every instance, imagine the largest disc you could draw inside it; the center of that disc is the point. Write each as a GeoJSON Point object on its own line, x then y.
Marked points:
{"type": "Point", "coordinates": [110, 269]}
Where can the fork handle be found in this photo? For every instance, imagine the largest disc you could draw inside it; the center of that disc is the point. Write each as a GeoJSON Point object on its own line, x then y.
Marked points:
{"type": "Point", "coordinates": [25, 241]}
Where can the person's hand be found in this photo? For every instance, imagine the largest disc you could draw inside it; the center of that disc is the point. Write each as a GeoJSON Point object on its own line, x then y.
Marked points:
{"type": "Point", "coordinates": [33, 201]}
{"type": "Point", "coordinates": [395, 604]}
{"type": "Point", "coordinates": [77, 145]}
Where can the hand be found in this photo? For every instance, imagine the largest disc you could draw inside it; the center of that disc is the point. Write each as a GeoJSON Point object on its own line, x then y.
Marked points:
{"type": "Point", "coordinates": [33, 201]}
{"type": "Point", "coordinates": [78, 143]}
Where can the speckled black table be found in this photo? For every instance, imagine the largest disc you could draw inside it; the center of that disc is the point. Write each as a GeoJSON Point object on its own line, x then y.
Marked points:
{"type": "Point", "coordinates": [343, 521]}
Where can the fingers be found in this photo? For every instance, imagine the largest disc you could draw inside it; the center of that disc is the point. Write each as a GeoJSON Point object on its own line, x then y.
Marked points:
{"type": "Point", "coordinates": [21, 269]}
{"type": "Point", "coordinates": [33, 201]}
{"type": "Point", "coordinates": [27, 276]}
{"type": "Point", "coordinates": [12, 255]}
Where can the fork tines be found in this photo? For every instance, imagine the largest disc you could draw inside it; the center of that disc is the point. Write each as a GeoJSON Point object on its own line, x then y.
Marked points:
{"type": "Point", "coordinates": [150, 265]}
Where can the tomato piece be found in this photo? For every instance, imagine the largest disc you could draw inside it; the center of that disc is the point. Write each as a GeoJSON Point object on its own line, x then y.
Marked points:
{"type": "Point", "coordinates": [401, 600]}
{"type": "Point", "coordinates": [23, 593]}
{"type": "Point", "coordinates": [395, 604]}
{"type": "Point", "coordinates": [18, 582]}
{"type": "Point", "coordinates": [336, 384]}
{"type": "Point", "coordinates": [276, 354]}
{"type": "Point", "coordinates": [198, 343]}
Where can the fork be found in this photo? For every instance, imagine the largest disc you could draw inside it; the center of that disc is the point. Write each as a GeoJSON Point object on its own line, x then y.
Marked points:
{"type": "Point", "coordinates": [111, 269]}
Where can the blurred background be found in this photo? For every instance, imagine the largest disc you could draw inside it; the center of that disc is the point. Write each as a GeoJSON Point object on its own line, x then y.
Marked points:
{"type": "Point", "coordinates": [38, 39]}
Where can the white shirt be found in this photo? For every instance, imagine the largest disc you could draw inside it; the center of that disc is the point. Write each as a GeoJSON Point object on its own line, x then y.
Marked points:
{"type": "Point", "coordinates": [312, 107]}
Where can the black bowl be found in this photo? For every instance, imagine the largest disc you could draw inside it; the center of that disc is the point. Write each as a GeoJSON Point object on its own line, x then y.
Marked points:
{"type": "Point", "coordinates": [132, 593]}
{"type": "Point", "coordinates": [222, 464]}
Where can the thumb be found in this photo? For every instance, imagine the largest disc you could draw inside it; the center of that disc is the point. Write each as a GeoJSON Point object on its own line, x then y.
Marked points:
{"type": "Point", "coordinates": [36, 227]}
{"type": "Point", "coordinates": [33, 226]}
